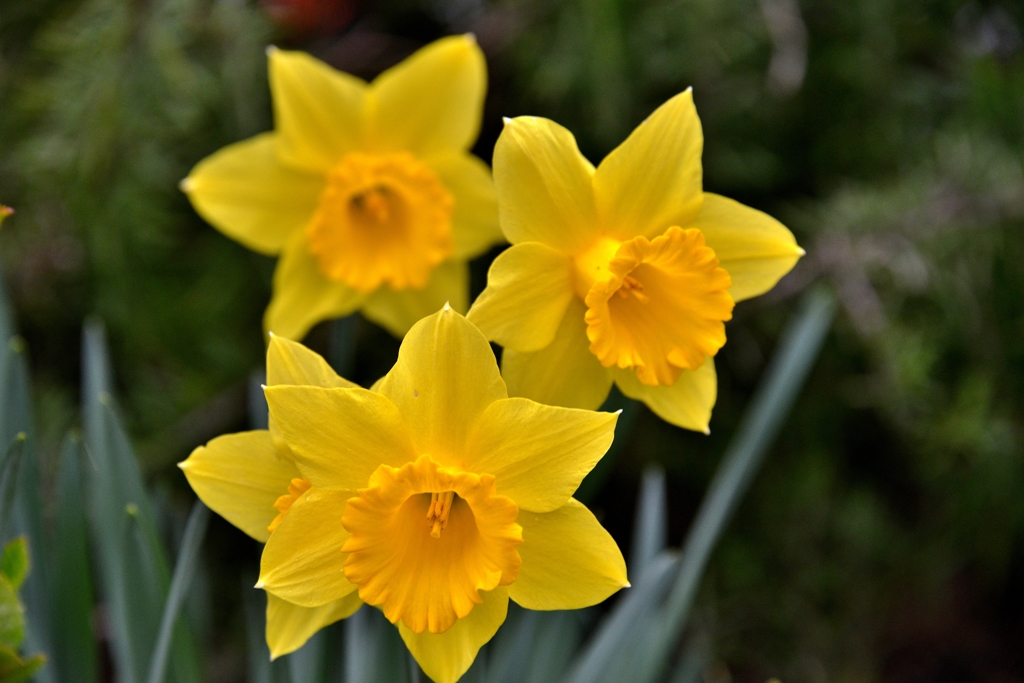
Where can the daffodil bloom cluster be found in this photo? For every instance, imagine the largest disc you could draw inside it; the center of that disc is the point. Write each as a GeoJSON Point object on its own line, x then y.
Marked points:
{"type": "Point", "coordinates": [625, 273]}
{"type": "Point", "coordinates": [367, 191]}
{"type": "Point", "coordinates": [434, 497]}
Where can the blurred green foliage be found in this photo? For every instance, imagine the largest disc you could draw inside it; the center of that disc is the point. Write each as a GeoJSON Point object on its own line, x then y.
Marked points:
{"type": "Point", "coordinates": [14, 567]}
{"type": "Point", "coordinates": [882, 540]}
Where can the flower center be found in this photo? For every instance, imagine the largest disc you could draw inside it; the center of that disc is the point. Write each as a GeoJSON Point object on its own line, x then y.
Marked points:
{"type": "Point", "coordinates": [655, 306]}
{"type": "Point", "coordinates": [439, 511]}
{"type": "Point", "coordinates": [284, 503]}
{"type": "Point", "coordinates": [413, 571]}
{"type": "Point", "coordinates": [381, 219]}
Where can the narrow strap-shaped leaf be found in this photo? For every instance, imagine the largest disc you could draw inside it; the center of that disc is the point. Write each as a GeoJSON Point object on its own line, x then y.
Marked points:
{"type": "Point", "coordinates": [374, 652]}
{"type": "Point", "coordinates": [512, 645]}
{"type": "Point", "coordinates": [26, 517]}
{"type": "Point", "coordinates": [634, 608]}
{"type": "Point", "coordinates": [309, 662]}
{"type": "Point", "coordinates": [255, 624]}
{"type": "Point", "coordinates": [690, 667]}
{"type": "Point", "coordinates": [133, 571]}
{"type": "Point", "coordinates": [557, 637]}
{"type": "Point", "coordinates": [74, 652]}
{"type": "Point", "coordinates": [9, 467]}
{"type": "Point", "coordinates": [762, 422]}
{"type": "Point", "coordinates": [798, 350]}
{"type": "Point", "coordinates": [634, 644]}
{"type": "Point", "coordinates": [650, 529]}
{"type": "Point", "coordinates": [184, 570]}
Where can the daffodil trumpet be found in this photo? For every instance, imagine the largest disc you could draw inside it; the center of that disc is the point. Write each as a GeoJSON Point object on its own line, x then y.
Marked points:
{"type": "Point", "coordinates": [625, 273]}
{"type": "Point", "coordinates": [367, 191]}
{"type": "Point", "coordinates": [434, 496]}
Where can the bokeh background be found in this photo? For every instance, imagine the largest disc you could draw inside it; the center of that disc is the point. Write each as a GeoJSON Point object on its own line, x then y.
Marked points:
{"type": "Point", "coordinates": [883, 540]}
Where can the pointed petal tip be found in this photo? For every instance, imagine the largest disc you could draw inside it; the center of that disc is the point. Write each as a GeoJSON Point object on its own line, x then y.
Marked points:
{"type": "Point", "coordinates": [618, 412]}
{"type": "Point", "coordinates": [707, 431]}
{"type": "Point", "coordinates": [259, 584]}
{"type": "Point", "coordinates": [186, 185]}
{"type": "Point", "coordinates": [506, 120]}
{"type": "Point", "coordinates": [447, 306]}
{"type": "Point", "coordinates": [470, 37]}
{"type": "Point", "coordinates": [271, 49]}
{"type": "Point", "coordinates": [800, 251]}
{"type": "Point", "coordinates": [183, 465]}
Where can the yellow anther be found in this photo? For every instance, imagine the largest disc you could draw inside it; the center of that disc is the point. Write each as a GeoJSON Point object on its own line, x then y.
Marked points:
{"type": "Point", "coordinates": [439, 511]}
{"type": "Point", "coordinates": [373, 204]}
{"type": "Point", "coordinates": [632, 287]}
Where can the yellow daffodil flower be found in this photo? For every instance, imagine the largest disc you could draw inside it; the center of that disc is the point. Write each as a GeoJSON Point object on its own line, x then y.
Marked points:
{"type": "Point", "coordinates": [436, 498]}
{"type": "Point", "coordinates": [251, 480]}
{"type": "Point", "coordinates": [625, 273]}
{"type": "Point", "coordinates": [367, 191]}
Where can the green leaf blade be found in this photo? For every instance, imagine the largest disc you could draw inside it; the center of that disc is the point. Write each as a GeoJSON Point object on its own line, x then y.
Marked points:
{"type": "Point", "coordinates": [14, 564]}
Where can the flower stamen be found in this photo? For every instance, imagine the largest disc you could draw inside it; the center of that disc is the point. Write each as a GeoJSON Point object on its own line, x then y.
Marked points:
{"type": "Point", "coordinates": [438, 512]}
{"type": "Point", "coordinates": [373, 204]}
{"type": "Point", "coordinates": [632, 287]}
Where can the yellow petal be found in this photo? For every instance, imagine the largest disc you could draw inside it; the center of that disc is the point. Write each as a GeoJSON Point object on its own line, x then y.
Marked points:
{"type": "Point", "coordinates": [653, 180]}
{"type": "Point", "coordinates": [445, 377]}
{"type": "Point", "coordinates": [529, 287]}
{"type": "Point", "coordinates": [302, 562]}
{"type": "Point", "coordinates": [339, 436]}
{"type": "Point", "coordinates": [753, 247]}
{"type": "Point", "coordinates": [289, 626]}
{"type": "Point", "coordinates": [475, 219]}
{"type": "Point", "coordinates": [247, 194]}
{"type": "Point", "coordinates": [686, 404]}
{"type": "Point", "coordinates": [569, 560]}
{"type": "Point", "coordinates": [444, 657]}
{"type": "Point", "coordinates": [290, 362]}
{"type": "Point", "coordinates": [544, 185]}
{"type": "Point", "coordinates": [303, 296]}
{"type": "Point", "coordinates": [319, 112]}
{"type": "Point", "coordinates": [398, 310]}
{"type": "Point", "coordinates": [431, 101]}
{"type": "Point", "coordinates": [240, 476]}
{"type": "Point", "coordinates": [538, 454]}
{"type": "Point", "coordinates": [564, 373]}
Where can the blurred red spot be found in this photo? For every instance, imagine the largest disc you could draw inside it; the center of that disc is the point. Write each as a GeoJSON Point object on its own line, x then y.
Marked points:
{"type": "Point", "coordinates": [311, 17]}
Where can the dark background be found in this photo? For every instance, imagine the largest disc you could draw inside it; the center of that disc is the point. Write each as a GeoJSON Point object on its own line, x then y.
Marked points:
{"type": "Point", "coordinates": [882, 540]}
